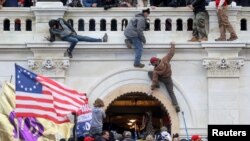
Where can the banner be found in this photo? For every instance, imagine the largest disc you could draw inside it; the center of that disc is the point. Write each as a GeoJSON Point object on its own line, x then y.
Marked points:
{"type": "Point", "coordinates": [27, 129]}
{"type": "Point", "coordinates": [41, 97]}
{"type": "Point", "coordinates": [83, 121]}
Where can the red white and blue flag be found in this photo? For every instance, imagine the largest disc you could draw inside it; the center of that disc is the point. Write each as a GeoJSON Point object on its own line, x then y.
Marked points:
{"type": "Point", "coordinates": [39, 96]}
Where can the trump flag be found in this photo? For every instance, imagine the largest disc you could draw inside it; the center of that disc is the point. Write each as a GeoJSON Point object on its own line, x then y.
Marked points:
{"type": "Point", "coordinates": [39, 96]}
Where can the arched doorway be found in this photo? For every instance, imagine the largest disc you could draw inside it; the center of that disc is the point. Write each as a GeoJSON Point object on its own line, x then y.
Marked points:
{"type": "Point", "coordinates": [127, 81]}
{"type": "Point", "coordinates": [126, 112]}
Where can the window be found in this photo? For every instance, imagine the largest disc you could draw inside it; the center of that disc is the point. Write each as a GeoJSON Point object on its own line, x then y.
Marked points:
{"type": "Point", "coordinates": [147, 25]}
{"type": "Point", "coordinates": [124, 24]}
{"type": "Point", "coordinates": [91, 25]}
{"type": "Point", "coordinates": [17, 25]}
{"type": "Point", "coordinates": [189, 24]}
{"type": "Point", "coordinates": [243, 25]}
{"type": "Point", "coordinates": [168, 25]}
{"type": "Point", "coordinates": [28, 25]}
{"type": "Point", "coordinates": [103, 25]}
{"type": "Point", "coordinates": [157, 25]}
{"type": "Point", "coordinates": [113, 25]}
{"type": "Point", "coordinates": [179, 25]}
{"type": "Point", "coordinates": [6, 25]}
{"type": "Point", "coordinates": [81, 25]}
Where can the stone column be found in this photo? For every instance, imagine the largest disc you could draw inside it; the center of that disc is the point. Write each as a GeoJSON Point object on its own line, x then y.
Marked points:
{"type": "Point", "coordinates": [223, 66]}
{"type": "Point", "coordinates": [49, 60]}
{"type": "Point", "coordinates": [45, 11]}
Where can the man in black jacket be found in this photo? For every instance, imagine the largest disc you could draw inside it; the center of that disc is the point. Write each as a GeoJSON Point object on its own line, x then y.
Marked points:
{"type": "Point", "coordinates": [66, 32]}
{"type": "Point", "coordinates": [199, 31]}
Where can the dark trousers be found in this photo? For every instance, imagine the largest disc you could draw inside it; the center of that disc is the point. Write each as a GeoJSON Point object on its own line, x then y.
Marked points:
{"type": "Point", "coordinates": [169, 86]}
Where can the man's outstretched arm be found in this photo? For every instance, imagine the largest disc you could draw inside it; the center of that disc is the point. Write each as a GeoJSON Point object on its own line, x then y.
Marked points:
{"type": "Point", "coordinates": [170, 54]}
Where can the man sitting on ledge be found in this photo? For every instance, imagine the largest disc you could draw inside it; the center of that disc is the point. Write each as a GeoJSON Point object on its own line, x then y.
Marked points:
{"type": "Point", "coordinates": [66, 32]}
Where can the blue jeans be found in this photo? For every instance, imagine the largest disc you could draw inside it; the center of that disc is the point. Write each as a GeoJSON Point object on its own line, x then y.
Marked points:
{"type": "Point", "coordinates": [138, 46]}
{"type": "Point", "coordinates": [73, 39]}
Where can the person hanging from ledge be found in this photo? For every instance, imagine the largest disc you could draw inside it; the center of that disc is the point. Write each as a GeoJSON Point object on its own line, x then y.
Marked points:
{"type": "Point", "coordinates": [66, 32]}
{"type": "Point", "coordinates": [224, 23]}
{"type": "Point", "coordinates": [199, 31]}
{"type": "Point", "coordinates": [162, 72]}
{"type": "Point", "coordinates": [135, 36]}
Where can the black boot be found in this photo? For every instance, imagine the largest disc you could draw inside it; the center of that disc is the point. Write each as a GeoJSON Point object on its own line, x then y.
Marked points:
{"type": "Point", "coordinates": [69, 53]}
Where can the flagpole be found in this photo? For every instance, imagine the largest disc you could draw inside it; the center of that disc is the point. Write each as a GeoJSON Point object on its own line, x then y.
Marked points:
{"type": "Point", "coordinates": [185, 124]}
{"type": "Point", "coordinates": [75, 122]}
{"type": "Point", "coordinates": [11, 78]}
{"type": "Point", "coordinates": [135, 133]}
{"type": "Point", "coordinates": [17, 128]}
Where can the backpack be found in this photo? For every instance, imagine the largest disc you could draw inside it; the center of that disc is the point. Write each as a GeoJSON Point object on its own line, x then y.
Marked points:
{"type": "Point", "coordinates": [229, 2]}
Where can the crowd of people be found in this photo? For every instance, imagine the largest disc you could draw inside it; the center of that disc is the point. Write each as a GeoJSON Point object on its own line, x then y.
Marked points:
{"type": "Point", "coordinates": [146, 132]}
{"type": "Point", "coordinates": [107, 4]}
{"type": "Point", "coordinates": [136, 39]}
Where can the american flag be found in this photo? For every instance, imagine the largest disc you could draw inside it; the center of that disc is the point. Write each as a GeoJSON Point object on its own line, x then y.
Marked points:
{"type": "Point", "coordinates": [39, 96]}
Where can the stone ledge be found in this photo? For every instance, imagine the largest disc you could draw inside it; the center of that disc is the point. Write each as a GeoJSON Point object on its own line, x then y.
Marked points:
{"type": "Point", "coordinates": [224, 44]}
{"type": "Point", "coordinates": [88, 45]}
{"type": "Point", "coordinates": [91, 45]}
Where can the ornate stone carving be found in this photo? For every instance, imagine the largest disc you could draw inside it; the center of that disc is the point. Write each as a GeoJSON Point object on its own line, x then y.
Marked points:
{"type": "Point", "coordinates": [65, 64]}
{"type": "Point", "coordinates": [53, 67]}
{"type": "Point", "coordinates": [32, 64]}
{"type": "Point", "coordinates": [223, 67]}
{"type": "Point", "coordinates": [48, 63]}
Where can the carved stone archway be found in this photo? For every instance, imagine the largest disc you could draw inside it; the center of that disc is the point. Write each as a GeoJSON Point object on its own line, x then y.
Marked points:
{"type": "Point", "coordinates": [130, 80]}
{"type": "Point", "coordinates": [145, 89]}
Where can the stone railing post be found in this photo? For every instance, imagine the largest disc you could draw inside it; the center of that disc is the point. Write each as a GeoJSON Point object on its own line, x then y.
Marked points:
{"type": "Point", "coordinates": [49, 59]}
{"type": "Point", "coordinates": [45, 11]}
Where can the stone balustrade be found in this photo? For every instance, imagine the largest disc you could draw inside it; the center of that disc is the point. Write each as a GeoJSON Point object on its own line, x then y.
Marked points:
{"type": "Point", "coordinates": [166, 23]}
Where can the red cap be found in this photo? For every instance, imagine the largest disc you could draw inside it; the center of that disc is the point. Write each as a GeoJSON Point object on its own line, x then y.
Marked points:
{"type": "Point", "coordinates": [195, 137]}
{"type": "Point", "coordinates": [89, 139]}
{"type": "Point", "coordinates": [153, 59]}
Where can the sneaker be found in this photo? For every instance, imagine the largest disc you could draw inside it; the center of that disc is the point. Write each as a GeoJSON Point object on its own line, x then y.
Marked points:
{"type": "Point", "coordinates": [194, 39]}
{"type": "Point", "coordinates": [203, 39]}
{"type": "Point", "coordinates": [105, 38]}
{"type": "Point", "coordinates": [177, 108]}
{"type": "Point", "coordinates": [139, 65]}
{"type": "Point", "coordinates": [220, 39]}
{"type": "Point", "coordinates": [232, 38]}
{"type": "Point", "coordinates": [69, 53]}
{"type": "Point", "coordinates": [128, 43]}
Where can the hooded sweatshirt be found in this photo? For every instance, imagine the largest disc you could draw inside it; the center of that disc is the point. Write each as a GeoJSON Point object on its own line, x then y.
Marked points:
{"type": "Point", "coordinates": [97, 117]}
{"type": "Point", "coordinates": [136, 27]}
{"type": "Point", "coordinates": [64, 30]}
